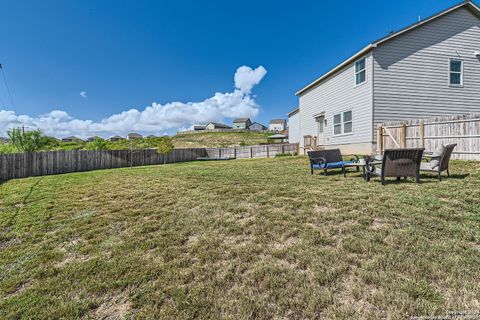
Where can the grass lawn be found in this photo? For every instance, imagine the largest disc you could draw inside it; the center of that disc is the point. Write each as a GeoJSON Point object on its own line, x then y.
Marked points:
{"type": "Point", "coordinates": [220, 139]}
{"type": "Point", "coordinates": [238, 239]}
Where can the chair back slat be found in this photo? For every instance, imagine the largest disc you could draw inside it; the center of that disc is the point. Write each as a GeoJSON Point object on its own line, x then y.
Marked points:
{"type": "Point", "coordinates": [445, 159]}
{"type": "Point", "coordinates": [331, 155]}
{"type": "Point", "coordinates": [402, 162]}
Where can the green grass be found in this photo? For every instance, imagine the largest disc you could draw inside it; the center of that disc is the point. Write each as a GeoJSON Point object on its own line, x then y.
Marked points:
{"type": "Point", "coordinates": [241, 239]}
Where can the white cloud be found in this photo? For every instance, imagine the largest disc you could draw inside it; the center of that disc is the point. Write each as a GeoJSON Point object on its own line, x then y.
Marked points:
{"type": "Point", "coordinates": [83, 94]}
{"type": "Point", "coordinates": [155, 118]}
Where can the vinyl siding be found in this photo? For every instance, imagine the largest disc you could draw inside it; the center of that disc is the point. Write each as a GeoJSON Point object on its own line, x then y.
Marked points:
{"type": "Point", "coordinates": [412, 70]}
{"type": "Point", "coordinates": [336, 94]}
{"type": "Point", "coordinates": [294, 127]}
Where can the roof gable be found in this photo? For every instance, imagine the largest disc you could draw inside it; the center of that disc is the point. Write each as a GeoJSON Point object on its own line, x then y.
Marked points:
{"type": "Point", "coordinates": [472, 7]}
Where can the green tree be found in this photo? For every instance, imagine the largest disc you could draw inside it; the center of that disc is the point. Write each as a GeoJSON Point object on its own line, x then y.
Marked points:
{"type": "Point", "coordinates": [165, 147]}
{"type": "Point", "coordinates": [97, 144]}
{"type": "Point", "coordinates": [27, 141]}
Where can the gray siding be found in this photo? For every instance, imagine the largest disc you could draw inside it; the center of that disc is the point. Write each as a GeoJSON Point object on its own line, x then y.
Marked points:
{"type": "Point", "coordinates": [411, 71]}
{"type": "Point", "coordinates": [336, 94]}
{"type": "Point", "coordinates": [294, 127]}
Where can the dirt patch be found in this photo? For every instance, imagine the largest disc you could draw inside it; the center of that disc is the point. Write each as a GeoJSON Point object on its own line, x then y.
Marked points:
{"type": "Point", "coordinates": [115, 307]}
{"type": "Point", "coordinates": [285, 243]}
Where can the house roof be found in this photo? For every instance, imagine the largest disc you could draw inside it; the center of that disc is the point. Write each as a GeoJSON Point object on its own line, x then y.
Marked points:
{"type": "Point", "coordinates": [133, 134]}
{"type": "Point", "coordinates": [71, 138]}
{"type": "Point", "coordinates": [278, 121]}
{"type": "Point", "coordinates": [152, 136]}
{"type": "Point", "coordinates": [278, 136]}
{"type": "Point", "coordinates": [464, 4]}
{"type": "Point", "coordinates": [216, 124]}
{"type": "Point", "coordinates": [94, 137]}
{"type": "Point", "coordinates": [117, 137]}
{"type": "Point", "coordinates": [258, 123]}
{"type": "Point", "coordinates": [293, 111]}
{"type": "Point", "coordinates": [241, 120]}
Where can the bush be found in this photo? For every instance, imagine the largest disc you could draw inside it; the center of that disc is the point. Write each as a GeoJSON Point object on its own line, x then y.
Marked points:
{"type": "Point", "coordinates": [97, 144]}
{"type": "Point", "coordinates": [286, 154]}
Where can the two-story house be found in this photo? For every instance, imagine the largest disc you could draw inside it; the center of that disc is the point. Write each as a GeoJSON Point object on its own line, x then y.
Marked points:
{"type": "Point", "coordinates": [431, 68]}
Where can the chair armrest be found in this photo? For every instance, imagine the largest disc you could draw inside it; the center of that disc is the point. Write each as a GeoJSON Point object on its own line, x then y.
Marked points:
{"type": "Point", "coordinates": [355, 158]}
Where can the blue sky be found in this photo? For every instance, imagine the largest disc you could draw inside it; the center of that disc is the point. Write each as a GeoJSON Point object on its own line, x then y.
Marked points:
{"type": "Point", "coordinates": [126, 55]}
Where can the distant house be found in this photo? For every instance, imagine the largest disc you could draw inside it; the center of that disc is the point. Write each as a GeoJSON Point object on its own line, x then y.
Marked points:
{"type": "Point", "coordinates": [72, 139]}
{"type": "Point", "coordinates": [199, 127]}
{"type": "Point", "coordinates": [90, 139]}
{"type": "Point", "coordinates": [152, 136]}
{"type": "Point", "coordinates": [133, 135]}
{"type": "Point", "coordinates": [257, 127]}
{"type": "Point", "coordinates": [278, 125]}
{"type": "Point", "coordinates": [4, 140]}
{"type": "Point", "coordinates": [241, 123]}
{"type": "Point", "coordinates": [116, 138]}
{"type": "Point", "coordinates": [215, 125]}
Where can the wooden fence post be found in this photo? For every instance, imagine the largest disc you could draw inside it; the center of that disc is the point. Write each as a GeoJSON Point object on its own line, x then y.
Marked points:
{"type": "Point", "coordinates": [251, 152]}
{"type": "Point", "coordinates": [421, 134]}
{"type": "Point", "coordinates": [403, 142]}
{"type": "Point", "coordinates": [380, 140]}
{"type": "Point", "coordinates": [234, 152]}
{"type": "Point", "coordinates": [268, 153]}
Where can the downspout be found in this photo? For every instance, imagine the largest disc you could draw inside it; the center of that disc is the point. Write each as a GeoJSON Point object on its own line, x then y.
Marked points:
{"type": "Point", "coordinates": [372, 127]}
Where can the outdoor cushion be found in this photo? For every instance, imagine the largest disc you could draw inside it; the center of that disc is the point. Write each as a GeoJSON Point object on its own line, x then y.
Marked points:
{"type": "Point", "coordinates": [331, 165]}
{"type": "Point", "coordinates": [436, 155]}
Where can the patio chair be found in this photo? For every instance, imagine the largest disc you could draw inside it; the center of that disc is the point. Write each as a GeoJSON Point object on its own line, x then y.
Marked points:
{"type": "Point", "coordinates": [398, 163]}
{"type": "Point", "coordinates": [438, 161]}
{"type": "Point", "coordinates": [328, 159]}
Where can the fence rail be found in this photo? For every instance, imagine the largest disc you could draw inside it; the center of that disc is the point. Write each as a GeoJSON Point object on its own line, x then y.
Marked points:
{"type": "Point", "coordinates": [464, 130]}
{"type": "Point", "coordinates": [262, 151]}
{"type": "Point", "coordinates": [226, 130]}
{"type": "Point", "coordinates": [22, 165]}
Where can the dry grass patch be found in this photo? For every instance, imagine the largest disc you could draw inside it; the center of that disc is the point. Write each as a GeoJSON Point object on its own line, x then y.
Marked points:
{"type": "Point", "coordinates": [244, 239]}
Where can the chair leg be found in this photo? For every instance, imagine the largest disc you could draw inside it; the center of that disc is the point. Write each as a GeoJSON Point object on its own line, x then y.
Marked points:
{"type": "Point", "coordinates": [448, 173]}
{"type": "Point", "coordinates": [325, 172]}
{"type": "Point", "coordinates": [439, 176]}
{"type": "Point", "coordinates": [311, 170]}
{"type": "Point", "coordinates": [383, 181]}
{"type": "Point", "coordinates": [344, 172]}
{"type": "Point", "coordinates": [398, 178]}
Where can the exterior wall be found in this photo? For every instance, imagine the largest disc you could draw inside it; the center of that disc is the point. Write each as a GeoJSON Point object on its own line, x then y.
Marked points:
{"type": "Point", "coordinates": [412, 70]}
{"type": "Point", "coordinates": [336, 94]}
{"type": "Point", "coordinates": [242, 125]}
{"type": "Point", "coordinates": [294, 127]}
{"type": "Point", "coordinates": [257, 127]}
{"type": "Point", "coordinates": [276, 127]}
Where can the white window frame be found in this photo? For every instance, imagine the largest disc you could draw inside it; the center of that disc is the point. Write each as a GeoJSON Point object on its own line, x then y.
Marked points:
{"type": "Point", "coordinates": [450, 72]}
{"type": "Point", "coordinates": [357, 72]}
{"type": "Point", "coordinates": [342, 124]}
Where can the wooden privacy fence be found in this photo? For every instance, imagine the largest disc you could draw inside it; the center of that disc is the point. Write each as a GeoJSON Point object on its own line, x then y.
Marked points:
{"type": "Point", "coordinates": [464, 130]}
{"type": "Point", "coordinates": [22, 165]}
{"type": "Point", "coordinates": [262, 151]}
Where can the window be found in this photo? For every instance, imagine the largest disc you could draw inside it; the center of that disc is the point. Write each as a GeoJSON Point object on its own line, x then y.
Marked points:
{"type": "Point", "coordinates": [456, 72]}
{"type": "Point", "coordinates": [360, 72]}
{"type": "Point", "coordinates": [343, 123]}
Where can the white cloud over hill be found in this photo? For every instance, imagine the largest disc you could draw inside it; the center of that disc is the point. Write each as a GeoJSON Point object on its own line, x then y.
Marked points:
{"type": "Point", "coordinates": [156, 118]}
